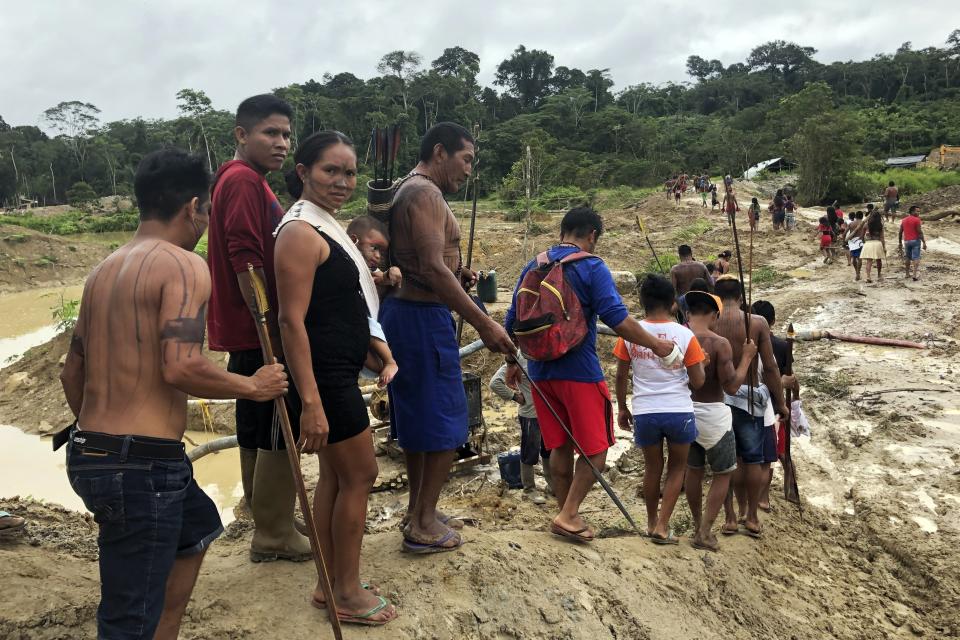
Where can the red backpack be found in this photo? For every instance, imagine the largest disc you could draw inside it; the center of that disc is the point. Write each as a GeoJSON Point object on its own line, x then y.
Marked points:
{"type": "Point", "coordinates": [550, 320]}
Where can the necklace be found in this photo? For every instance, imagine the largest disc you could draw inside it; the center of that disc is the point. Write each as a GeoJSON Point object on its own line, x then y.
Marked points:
{"type": "Point", "coordinates": [414, 174]}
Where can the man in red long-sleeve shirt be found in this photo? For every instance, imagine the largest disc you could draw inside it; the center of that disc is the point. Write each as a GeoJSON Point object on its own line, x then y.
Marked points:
{"type": "Point", "coordinates": [244, 214]}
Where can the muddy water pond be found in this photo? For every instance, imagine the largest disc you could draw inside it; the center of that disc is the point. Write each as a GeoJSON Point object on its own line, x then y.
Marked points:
{"type": "Point", "coordinates": [33, 469]}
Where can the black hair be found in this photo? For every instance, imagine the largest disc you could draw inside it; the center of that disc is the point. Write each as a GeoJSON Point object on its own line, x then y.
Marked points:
{"type": "Point", "coordinates": [859, 215]}
{"type": "Point", "coordinates": [875, 223]}
{"type": "Point", "coordinates": [891, 183]}
{"type": "Point", "coordinates": [753, 201]}
{"type": "Point", "coordinates": [309, 152]}
{"type": "Point", "coordinates": [870, 206]}
{"type": "Point", "coordinates": [699, 306]}
{"type": "Point", "coordinates": [824, 220]}
{"type": "Point", "coordinates": [449, 134]}
{"type": "Point", "coordinates": [711, 267]}
{"type": "Point", "coordinates": [914, 207]}
{"type": "Point", "coordinates": [684, 250]}
{"type": "Point", "coordinates": [727, 289]}
{"type": "Point", "coordinates": [765, 309]}
{"type": "Point", "coordinates": [362, 225]}
{"type": "Point", "coordinates": [699, 284]}
{"type": "Point", "coordinates": [256, 109]}
{"type": "Point", "coordinates": [580, 221]}
{"type": "Point", "coordinates": [656, 292]}
{"type": "Point", "coordinates": [168, 179]}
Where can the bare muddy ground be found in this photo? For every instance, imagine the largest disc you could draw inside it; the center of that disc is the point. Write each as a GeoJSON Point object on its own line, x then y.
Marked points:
{"type": "Point", "coordinates": [874, 554]}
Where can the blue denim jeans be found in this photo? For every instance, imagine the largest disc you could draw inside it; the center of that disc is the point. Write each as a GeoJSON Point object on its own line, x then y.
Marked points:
{"type": "Point", "coordinates": [149, 512]}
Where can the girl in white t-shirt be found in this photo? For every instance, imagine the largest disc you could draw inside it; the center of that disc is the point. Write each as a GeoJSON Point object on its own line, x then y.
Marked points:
{"type": "Point", "coordinates": [661, 404]}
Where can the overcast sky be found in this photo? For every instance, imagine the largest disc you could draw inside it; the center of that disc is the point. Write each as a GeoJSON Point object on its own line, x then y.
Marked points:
{"type": "Point", "coordinates": [130, 57]}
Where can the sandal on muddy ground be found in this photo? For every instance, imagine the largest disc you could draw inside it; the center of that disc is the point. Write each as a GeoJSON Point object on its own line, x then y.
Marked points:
{"type": "Point", "coordinates": [753, 533]}
{"type": "Point", "coordinates": [366, 586]}
{"type": "Point", "coordinates": [437, 546]}
{"type": "Point", "coordinates": [10, 523]}
{"type": "Point", "coordinates": [576, 536]}
{"type": "Point", "coordinates": [669, 539]}
{"type": "Point", "coordinates": [366, 618]}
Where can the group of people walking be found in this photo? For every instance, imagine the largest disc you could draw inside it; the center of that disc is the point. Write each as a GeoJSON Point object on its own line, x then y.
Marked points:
{"type": "Point", "coordinates": [861, 236]}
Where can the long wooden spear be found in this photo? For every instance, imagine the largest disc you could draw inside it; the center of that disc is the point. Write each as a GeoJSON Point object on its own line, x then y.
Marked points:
{"type": "Point", "coordinates": [473, 214]}
{"type": "Point", "coordinates": [293, 454]}
{"type": "Point", "coordinates": [743, 306]}
{"type": "Point", "coordinates": [791, 491]}
{"type": "Point", "coordinates": [643, 232]}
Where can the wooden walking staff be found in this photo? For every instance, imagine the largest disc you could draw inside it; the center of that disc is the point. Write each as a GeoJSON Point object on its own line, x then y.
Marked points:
{"type": "Point", "coordinates": [293, 454]}
{"type": "Point", "coordinates": [791, 491]}
{"type": "Point", "coordinates": [744, 307]}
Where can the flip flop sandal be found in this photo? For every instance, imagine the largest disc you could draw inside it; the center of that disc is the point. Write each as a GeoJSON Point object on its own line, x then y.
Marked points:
{"type": "Point", "coordinates": [576, 536]}
{"type": "Point", "coordinates": [669, 540]}
{"type": "Point", "coordinates": [365, 618]}
{"type": "Point", "coordinates": [753, 534]}
{"type": "Point", "coordinates": [423, 548]}
{"type": "Point", "coordinates": [703, 546]}
{"type": "Point", "coordinates": [18, 523]}
{"type": "Point", "coordinates": [366, 586]}
{"type": "Point", "coordinates": [729, 532]}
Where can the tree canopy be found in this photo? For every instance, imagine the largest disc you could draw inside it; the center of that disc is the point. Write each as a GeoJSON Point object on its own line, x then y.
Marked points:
{"type": "Point", "coordinates": [589, 131]}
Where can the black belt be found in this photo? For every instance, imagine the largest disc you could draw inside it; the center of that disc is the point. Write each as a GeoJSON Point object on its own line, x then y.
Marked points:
{"type": "Point", "coordinates": [139, 446]}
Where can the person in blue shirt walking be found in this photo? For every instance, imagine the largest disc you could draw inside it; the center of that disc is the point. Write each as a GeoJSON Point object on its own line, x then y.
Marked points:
{"type": "Point", "coordinates": [574, 384]}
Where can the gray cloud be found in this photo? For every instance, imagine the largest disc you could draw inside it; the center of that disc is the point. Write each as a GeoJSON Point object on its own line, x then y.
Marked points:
{"type": "Point", "coordinates": [130, 58]}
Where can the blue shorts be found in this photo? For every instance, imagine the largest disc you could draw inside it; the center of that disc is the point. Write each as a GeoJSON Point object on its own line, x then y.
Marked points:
{"type": "Point", "coordinates": [911, 249]}
{"type": "Point", "coordinates": [770, 443]}
{"type": "Point", "coordinates": [752, 441]}
{"type": "Point", "coordinates": [855, 253]}
{"type": "Point", "coordinates": [149, 512]}
{"type": "Point", "coordinates": [428, 406]}
{"type": "Point", "coordinates": [650, 428]}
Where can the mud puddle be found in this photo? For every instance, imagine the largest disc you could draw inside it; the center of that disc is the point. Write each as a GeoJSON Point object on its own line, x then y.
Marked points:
{"type": "Point", "coordinates": [36, 471]}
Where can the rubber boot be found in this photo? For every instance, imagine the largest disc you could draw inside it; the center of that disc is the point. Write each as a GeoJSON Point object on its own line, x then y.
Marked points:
{"type": "Point", "coordinates": [547, 474]}
{"type": "Point", "coordinates": [528, 478]}
{"type": "Point", "coordinates": [275, 537]}
{"type": "Point", "coordinates": [248, 463]}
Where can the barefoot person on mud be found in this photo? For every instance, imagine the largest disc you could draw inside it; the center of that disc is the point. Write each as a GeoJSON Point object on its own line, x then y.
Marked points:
{"type": "Point", "coordinates": [244, 216]}
{"type": "Point", "coordinates": [661, 408]}
{"type": "Point", "coordinates": [909, 241]}
{"type": "Point", "coordinates": [753, 442]}
{"type": "Point", "coordinates": [135, 354]}
{"type": "Point", "coordinates": [326, 294]}
{"type": "Point", "coordinates": [428, 407]}
{"type": "Point", "coordinates": [574, 383]}
{"type": "Point", "coordinates": [715, 444]}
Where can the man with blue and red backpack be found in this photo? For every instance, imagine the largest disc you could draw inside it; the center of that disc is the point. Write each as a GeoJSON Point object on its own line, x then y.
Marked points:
{"type": "Point", "coordinates": [553, 317]}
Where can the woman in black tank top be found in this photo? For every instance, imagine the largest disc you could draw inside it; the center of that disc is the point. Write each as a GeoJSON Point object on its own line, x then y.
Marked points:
{"type": "Point", "coordinates": [326, 336]}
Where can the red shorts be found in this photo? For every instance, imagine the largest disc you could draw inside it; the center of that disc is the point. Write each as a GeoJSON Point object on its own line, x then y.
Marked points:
{"type": "Point", "coordinates": [583, 406]}
{"type": "Point", "coordinates": [825, 241]}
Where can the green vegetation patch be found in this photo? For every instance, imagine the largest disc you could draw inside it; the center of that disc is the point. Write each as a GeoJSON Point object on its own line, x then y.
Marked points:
{"type": "Point", "coordinates": [73, 222]}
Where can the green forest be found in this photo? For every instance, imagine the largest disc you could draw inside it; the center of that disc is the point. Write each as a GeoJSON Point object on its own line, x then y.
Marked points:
{"type": "Point", "coordinates": [835, 121]}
